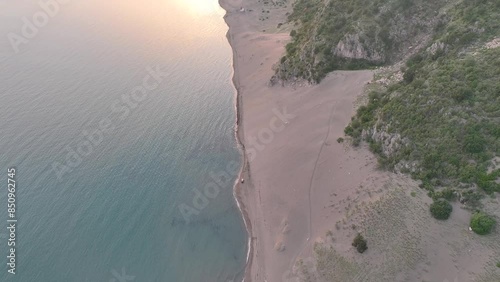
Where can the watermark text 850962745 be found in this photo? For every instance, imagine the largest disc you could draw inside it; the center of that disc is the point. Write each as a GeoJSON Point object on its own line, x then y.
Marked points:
{"type": "Point", "coordinates": [11, 220]}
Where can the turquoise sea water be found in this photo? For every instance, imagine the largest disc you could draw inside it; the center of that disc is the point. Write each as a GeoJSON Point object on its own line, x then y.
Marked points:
{"type": "Point", "coordinates": [103, 168]}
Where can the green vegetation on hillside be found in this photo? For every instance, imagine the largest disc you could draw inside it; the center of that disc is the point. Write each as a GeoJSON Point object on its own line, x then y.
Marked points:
{"type": "Point", "coordinates": [441, 122]}
{"type": "Point", "coordinates": [441, 209]}
{"type": "Point", "coordinates": [448, 113]}
{"type": "Point", "coordinates": [482, 223]}
{"type": "Point", "coordinates": [353, 34]}
{"type": "Point", "coordinates": [359, 34]}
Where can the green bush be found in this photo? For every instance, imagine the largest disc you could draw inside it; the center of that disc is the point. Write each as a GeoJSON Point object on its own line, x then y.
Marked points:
{"type": "Point", "coordinates": [474, 143]}
{"type": "Point", "coordinates": [441, 209]}
{"type": "Point", "coordinates": [482, 223]}
{"type": "Point", "coordinates": [360, 243]}
{"type": "Point", "coordinates": [447, 194]}
{"type": "Point", "coordinates": [409, 75]}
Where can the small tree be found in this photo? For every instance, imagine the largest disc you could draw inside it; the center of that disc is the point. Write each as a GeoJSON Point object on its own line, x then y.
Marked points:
{"type": "Point", "coordinates": [409, 75]}
{"type": "Point", "coordinates": [482, 223]}
{"type": "Point", "coordinates": [360, 243]}
{"type": "Point", "coordinates": [441, 209]}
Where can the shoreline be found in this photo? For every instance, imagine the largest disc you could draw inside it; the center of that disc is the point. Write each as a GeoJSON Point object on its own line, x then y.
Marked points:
{"type": "Point", "coordinates": [239, 136]}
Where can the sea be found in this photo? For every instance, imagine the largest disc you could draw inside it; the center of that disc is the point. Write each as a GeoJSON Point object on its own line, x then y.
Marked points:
{"type": "Point", "coordinates": [118, 119]}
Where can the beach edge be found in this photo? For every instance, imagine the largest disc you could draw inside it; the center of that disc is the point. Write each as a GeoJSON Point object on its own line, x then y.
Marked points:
{"type": "Point", "coordinates": [240, 140]}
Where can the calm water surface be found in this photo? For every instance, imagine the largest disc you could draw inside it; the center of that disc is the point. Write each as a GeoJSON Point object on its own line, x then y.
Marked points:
{"type": "Point", "coordinates": [110, 210]}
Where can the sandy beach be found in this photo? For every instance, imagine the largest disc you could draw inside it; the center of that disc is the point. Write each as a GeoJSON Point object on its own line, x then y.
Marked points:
{"type": "Point", "coordinates": [303, 190]}
{"type": "Point", "coordinates": [280, 219]}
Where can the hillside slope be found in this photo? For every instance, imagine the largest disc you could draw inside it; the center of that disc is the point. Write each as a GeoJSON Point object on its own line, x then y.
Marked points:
{"type": "Point", "coordinates": [436, 112]}
{"type": "Point", "coordinates": [356, 34]}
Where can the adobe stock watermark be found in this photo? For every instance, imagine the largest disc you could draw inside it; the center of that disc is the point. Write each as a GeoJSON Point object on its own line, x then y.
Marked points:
{"type": "Point", "coordinates": [119, 110]}
{"type": "Point", "coordinates": [31, 26]}
{"type": "Point", "coordinates": [222, 179]}
{"type": "Point", "coordinates": [121, 276]}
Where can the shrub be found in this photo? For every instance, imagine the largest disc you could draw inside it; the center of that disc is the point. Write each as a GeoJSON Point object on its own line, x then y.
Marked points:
{"type": "Point", "coordinates": [482, 223]}
{"type": "Point", "coordinates": [447, 194]}
{"type": "Point", "coordinates": [498, 264]}
{"type": "Point", "coordinates": [441, 209]}
{"type": "Point", "coordinates": [376, 147]}
{"type": "Point", "coordinates": [360, 243]}
{"type": "Point", "coordinates": [409, 75]}
{"type": "Point", "coordinates": [474, 143]}
{"type": "Point", "coordinates": [340, 140]}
